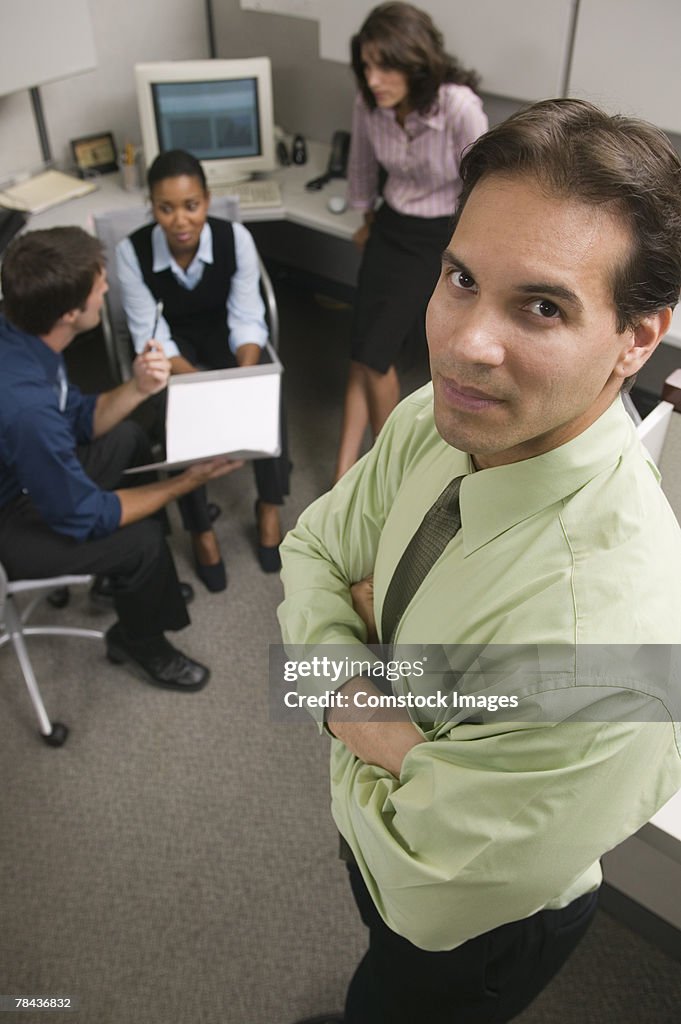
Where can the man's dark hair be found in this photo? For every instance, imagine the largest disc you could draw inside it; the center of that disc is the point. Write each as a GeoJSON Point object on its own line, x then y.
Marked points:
{"type": "Point", "coordinates": [405, 39]}
{"type": "Point", "coordinates": [577, 151]}
{"type": "Point", "coordinates": [48, 273]}
{"type": "Point", "coordinates": [175, 163]}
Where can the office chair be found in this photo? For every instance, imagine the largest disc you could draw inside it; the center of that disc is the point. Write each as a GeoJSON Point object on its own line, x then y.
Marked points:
{"type": "Point", "coordinates": [111, 228]}
{"type": "Point", "coordinates": [14, 620]}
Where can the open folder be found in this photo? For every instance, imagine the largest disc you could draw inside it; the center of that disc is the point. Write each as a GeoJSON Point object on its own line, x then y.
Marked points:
{"type": "Point", "coordinates": [222, 412]}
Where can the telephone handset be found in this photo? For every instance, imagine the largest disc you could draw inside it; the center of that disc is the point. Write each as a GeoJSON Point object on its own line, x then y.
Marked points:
{"type": "Point", "coordinates": [340, 150]}
{"type": "Point", "coordinates": [338, 161]}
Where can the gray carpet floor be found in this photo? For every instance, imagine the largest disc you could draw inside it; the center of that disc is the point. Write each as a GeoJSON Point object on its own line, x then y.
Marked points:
{"type": "Point", "coordinates": [175, 862]}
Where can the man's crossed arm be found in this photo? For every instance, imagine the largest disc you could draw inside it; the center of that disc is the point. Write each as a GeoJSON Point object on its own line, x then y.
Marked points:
{"type": "Point", "coordinates": [379, 742]}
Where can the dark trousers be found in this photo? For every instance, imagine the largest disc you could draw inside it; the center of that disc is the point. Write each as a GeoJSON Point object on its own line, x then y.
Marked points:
{"type": "Point", "coordinates": [487, 980]}
{"type": "Point", "coordinates": [147, 595]}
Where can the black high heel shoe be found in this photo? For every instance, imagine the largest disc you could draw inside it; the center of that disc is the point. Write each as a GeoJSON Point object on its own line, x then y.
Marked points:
{"type": "Point", "coordinates": [213, 577]}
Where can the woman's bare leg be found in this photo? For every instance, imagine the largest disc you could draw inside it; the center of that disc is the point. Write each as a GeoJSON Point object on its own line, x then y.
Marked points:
{"type": "Point", "coordinates": [206, 547]}
{"type": "Point", "coordinates": [370, 397]}
{"type": "Point", "coordinates": [383, 394]}
{"type": "Point", "coordinates": [269, 524]}
{"type": "Point", "coordinates": [355, 420]}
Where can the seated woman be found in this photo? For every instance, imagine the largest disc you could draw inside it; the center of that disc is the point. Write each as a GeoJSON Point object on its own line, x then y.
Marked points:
{"type": "Point", "coordinates": [205, 271]}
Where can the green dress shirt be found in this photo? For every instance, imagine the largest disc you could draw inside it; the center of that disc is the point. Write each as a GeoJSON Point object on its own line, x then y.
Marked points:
{"type": "Point", "coordinates": [500, 815]}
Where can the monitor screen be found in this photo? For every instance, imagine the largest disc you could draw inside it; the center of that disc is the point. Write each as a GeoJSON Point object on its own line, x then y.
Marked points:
{"type": "Point", "coordinates": [212, 120]}
{"type": "Point", "coordinates": [218, 110]}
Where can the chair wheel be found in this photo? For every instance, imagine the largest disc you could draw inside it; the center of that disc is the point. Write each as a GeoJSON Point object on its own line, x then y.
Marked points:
{"type": "Point", "coordinates": [57, 737]}
{"type": "Point", "coordinates": [59, 598]}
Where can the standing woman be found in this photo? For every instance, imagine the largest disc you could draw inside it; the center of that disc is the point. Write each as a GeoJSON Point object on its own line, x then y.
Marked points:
{"type": "Point", "coordinates": [205, 271]}
{"type": "Point", "coordinates": [414, 115]}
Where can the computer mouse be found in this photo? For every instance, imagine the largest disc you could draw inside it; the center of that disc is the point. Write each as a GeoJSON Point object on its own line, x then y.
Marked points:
{"type": "Point", "coordinates": [337, 204]}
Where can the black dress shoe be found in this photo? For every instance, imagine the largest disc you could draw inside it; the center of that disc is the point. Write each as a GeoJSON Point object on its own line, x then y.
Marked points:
{"type": "Point", "coordinates": [269, 558]}
{"type": "Point", "coordinates": [102, 592]}
{"type": "Point", "coordinates": [213, 577]}
{"type": "Point", "coordinates": [157, 661]}
{"type": "Point", "coordinates": [268, 555]}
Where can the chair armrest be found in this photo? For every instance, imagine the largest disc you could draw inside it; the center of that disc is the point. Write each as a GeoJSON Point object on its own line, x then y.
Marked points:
{"type": "Point", "coordinates": [671, 391]}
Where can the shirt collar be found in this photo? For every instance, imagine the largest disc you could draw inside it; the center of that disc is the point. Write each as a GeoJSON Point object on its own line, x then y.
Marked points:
{"type": "Point", "coordinates": [434, 117]}
{"type": "Point", "coordinates": [163, 258]}
{"type": "Point", "coordinates": [494, 500]}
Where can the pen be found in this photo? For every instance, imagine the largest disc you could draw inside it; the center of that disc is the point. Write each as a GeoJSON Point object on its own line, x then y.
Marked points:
{"type": "Point", "coordinates": [157, 316]}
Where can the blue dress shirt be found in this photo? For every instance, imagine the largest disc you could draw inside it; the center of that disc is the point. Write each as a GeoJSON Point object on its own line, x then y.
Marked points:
{"type": "Point", "coordinates": [245, 312]}
{"type": "Point", "coordinates": [40, 427]}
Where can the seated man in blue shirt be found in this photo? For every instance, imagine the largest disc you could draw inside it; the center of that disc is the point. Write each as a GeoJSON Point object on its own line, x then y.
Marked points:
{"type": "Point", "coordinates": [62, 455]}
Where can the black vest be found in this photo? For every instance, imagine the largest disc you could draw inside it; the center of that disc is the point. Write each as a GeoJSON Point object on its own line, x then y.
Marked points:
{"type": "Point", "coordinates": [197, 318]}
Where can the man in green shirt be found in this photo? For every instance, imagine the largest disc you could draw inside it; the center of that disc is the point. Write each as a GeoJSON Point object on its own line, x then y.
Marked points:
{"type": "Point", "coordinates": [475, 836]}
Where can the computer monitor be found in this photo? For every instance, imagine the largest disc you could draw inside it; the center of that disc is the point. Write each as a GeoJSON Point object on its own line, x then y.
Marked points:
{"type": "Point", "coordinates": [218, 110]}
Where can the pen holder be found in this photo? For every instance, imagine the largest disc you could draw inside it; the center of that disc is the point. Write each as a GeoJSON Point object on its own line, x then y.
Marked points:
{"type": "Point", "coordinates": [131, 177]}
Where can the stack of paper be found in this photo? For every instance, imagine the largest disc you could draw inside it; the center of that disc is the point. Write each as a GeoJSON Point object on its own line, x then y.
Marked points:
{"type": "Point", "coordinates": [44, 190]}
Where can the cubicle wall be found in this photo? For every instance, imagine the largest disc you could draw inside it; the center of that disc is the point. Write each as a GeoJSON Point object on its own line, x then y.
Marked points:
{"type": "Point", "coordinates": [620, 53]}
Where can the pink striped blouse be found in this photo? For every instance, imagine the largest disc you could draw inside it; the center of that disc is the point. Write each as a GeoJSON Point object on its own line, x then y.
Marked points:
{"type": "Point", "coordinates": [422, 159]}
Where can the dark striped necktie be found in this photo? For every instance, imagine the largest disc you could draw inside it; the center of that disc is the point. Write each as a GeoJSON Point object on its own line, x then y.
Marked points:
{"type": "Point", "coordinates": [440, 523]}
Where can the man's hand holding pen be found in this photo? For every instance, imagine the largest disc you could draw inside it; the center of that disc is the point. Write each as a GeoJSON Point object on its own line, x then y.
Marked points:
{"type": "Point", "coordinates": [151, 369]}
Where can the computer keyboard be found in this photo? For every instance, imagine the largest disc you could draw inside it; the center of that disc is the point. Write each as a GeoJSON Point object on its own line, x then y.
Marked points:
{"type": "Point", "coordinates": [251, 194]}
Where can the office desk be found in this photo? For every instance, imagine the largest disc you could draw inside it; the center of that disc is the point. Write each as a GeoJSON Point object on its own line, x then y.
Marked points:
{"type": "Point", "coordinates": [302, 233]}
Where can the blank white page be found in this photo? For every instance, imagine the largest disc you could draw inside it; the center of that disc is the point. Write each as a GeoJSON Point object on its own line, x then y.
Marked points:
{"type": "Point", "coordinates": [223, 415]}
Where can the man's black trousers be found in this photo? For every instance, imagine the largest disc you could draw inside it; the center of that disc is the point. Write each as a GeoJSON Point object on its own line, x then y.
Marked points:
{"type": "Point", "coordinates": [487, 980]}
{"type": "Point", "coordinates": [147, 594]}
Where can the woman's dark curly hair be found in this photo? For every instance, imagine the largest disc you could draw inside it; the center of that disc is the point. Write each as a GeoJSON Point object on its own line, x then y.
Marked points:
{"type": "Point", "coordinates": [405, 39]}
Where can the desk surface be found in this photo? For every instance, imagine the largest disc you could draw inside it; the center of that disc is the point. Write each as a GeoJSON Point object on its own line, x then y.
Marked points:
{"type": "Point", "coordinates": [308, 209]}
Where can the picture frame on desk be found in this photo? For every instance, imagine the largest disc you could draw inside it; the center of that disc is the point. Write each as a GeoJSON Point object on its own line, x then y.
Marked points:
{"type": "Point", "coordinates": [94, 154]}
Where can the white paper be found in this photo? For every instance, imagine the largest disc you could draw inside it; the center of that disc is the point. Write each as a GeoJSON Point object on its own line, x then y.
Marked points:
{"type": "Point", "coordinates": [228, 414]}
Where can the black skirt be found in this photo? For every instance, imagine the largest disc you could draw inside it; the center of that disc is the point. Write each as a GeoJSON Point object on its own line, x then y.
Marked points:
{"type": "Point", "coordinates": [399, 270]}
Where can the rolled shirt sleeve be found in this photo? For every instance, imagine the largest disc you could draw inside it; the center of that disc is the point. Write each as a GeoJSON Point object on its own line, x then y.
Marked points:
{"type": "Point", "coordinates": [50, 473]}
